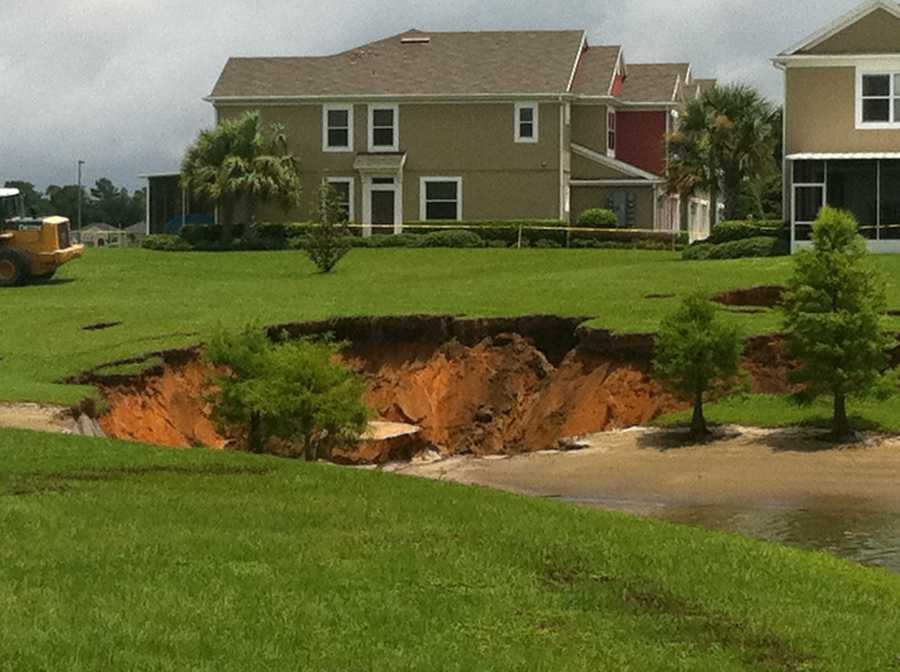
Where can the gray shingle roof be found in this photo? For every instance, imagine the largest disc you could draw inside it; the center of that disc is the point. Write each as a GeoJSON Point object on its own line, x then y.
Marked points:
{"type": "Point", "coordinates": [451, 63]}
{"type": "Point", "coordinates": [595, 71]}
{"type": "Point", "coordinates": [652, 82]}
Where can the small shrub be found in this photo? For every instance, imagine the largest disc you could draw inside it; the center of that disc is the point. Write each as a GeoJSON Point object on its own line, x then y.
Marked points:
{"type": "Point", "coordinates": [164, 242]}
{"type": "Point", "coordinates": [763, 246]}
{"type": "Point", "coordinates": [598, 218]}
{"type": "Point", "coordinates": [727, 232]}
{"type": "Point", "coordinates": [452, 238]}
{"type": "Point", "coordinates": [286, 393]}
{"type": "Point", "coordinates": [326, 241]}
{"type": "Point", "coordinates": [697, 252]}
{"type": "Point", "coordinates": [497, 244]}
{"type": "Point", "coordinates": [545, 244]}
{"type": "Point", "coordinates": [399, 240]}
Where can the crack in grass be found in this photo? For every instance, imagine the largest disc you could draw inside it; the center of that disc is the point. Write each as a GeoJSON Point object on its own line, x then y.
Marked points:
{"type": "Point", "coordinates": [37, 483]}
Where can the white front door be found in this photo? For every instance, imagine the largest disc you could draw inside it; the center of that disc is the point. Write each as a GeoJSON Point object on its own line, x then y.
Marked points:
{"type": "Point", "coordinates": [382, 205]}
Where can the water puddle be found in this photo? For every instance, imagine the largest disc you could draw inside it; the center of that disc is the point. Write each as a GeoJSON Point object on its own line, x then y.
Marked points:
{"type": "Point", "coordinates": [868, 537]}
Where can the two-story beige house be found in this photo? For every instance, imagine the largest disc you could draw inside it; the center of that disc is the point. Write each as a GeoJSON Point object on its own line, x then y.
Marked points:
{"type": "Point", "coordinates": [842, 124]}
{"type": "Point", "coordinates": [465, 126]}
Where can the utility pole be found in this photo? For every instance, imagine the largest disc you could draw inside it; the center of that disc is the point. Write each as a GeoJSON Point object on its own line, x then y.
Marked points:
{"type": "Point", "coordinates": [80, 164]}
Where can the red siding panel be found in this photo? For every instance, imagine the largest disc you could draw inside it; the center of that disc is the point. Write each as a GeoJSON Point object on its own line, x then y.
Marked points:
{"type": "Point", "coordinates": [641, 139]}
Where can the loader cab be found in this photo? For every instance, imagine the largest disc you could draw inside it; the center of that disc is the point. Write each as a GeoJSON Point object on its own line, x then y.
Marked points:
{"type": "Point", "coordinates": [12, 206]}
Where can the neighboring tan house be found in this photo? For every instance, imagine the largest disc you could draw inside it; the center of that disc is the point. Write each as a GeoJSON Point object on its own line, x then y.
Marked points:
{"type": "Point", "coordinates": [842, 124]}
{"type": "Point", "coordinates": [465, 126]}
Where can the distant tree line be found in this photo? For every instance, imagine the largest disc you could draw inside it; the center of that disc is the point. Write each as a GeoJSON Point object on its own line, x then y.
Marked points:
{"type": "Point", "coordinates": [102, 203]}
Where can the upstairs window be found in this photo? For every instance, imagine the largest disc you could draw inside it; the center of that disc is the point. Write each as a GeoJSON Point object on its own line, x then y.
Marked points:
{"type": "Point", "coordinates": [878, 105]}
{"type": "Point", "coordinates": [526, 122]}
{"type": "Point", "coordinates": [611, 132]}
{"type": "Point", "coordinates": [337, 131]}
{"type": "Point", "coordinates": [383, 128]}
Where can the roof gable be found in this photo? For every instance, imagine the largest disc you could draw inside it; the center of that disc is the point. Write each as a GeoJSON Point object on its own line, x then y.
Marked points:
{"type": "Point", "coordinates": [596, 70]}
{"type": "Point", "coordinates": [654, 82]}
{"type": "Point", "coordinates": [871, 28]}
{"type": "Point", "coordinates": [446, 63]}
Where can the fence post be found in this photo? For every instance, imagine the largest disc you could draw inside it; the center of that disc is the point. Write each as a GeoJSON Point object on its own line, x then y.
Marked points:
{"type": "Point", "coordinates": [519, 245]}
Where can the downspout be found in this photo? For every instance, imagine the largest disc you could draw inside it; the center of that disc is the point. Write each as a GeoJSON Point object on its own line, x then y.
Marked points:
{"type": "Point", "coordinates": [562, 160]}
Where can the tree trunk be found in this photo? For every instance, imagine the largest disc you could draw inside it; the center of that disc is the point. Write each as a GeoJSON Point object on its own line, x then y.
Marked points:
{"type": "Point", "coordinates": [255, 440]}
{"type": "Point", "coordinates": [732, 196]}
{"type": "Point", "coordinates": [699, 429]}
{"type": "Point", "coordinates": [840, 426]}
{"type": "Point", "coordinates": [713, 206]}
{"type": "Point", "coordinates": [226, 221]}
{"type": "Point", "coordinates": [309, 449]}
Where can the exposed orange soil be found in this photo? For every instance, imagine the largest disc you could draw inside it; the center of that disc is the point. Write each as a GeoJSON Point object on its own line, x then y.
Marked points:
{"type": "Point", "coordinates": [500, 395]}
{"type": "Point", "coordinates": [165, 410]}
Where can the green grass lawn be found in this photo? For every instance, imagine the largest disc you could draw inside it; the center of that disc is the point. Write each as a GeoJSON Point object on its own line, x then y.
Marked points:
{"type": "Point", "coordinates": [166, 300]}
{"type": "Point", "coordinates": [117, 556]}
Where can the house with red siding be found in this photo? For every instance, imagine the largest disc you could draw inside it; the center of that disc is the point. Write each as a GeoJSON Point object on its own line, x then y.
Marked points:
{"type": "Point", "coordinates": [624, 167]}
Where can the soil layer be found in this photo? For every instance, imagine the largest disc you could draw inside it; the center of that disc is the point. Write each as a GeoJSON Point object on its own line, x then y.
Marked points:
{"type": "Point", "coordinates": [482, 387]}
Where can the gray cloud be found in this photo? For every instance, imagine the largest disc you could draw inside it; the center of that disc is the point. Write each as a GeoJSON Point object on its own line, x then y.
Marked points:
{"type": "Point", "coordinates": [119, 83]}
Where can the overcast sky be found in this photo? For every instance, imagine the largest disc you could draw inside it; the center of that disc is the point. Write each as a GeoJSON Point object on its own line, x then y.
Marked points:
{"type": "Point", "coordinates": [119, 83]}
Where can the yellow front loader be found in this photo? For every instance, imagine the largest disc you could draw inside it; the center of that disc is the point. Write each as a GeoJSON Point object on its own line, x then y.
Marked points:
{"type": "Point", "coordinates": [31, 250]}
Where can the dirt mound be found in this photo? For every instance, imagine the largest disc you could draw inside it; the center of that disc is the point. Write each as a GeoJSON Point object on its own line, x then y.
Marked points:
{"type": "Point", "coordinates": [468, 385]}
{"type": "Point", "coordinates": [763, 296]}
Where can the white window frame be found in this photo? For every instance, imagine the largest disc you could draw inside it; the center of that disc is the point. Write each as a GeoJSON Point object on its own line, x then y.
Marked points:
{"type": "Point", "coordinates": [351, 209]}
{"type": "Point", "coordinates": [517, 128]}
{"type": "Point", "coordinates": [384, 148]}
{"type": "Point", "coordinates": [892, 71]}
{"type": "Point", "coordinates": [423, 201]}
{"type": "Point", "coordinates": [337, 108]}
{"type": "Point", "coordinates": [612, 131]}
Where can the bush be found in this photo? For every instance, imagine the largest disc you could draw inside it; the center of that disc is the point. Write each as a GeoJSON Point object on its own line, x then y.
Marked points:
{"type": "Point", "coordinates": [598, 218]}
{"type": "Point", "coordinates": [452, 238]}
{"type": "Point", "coordinates": [697, 252]}
{"type": "Point", "coordinates": [165, 242]}
{"type": "Point", "coordinates": [399, 240]}
{"type": "Point", "coordinates": [288, 393]}
{"type": "Point", "coordinates": [727, 232]}
{"type": "Point", "coordinates": [545, 244]}
{"type": "Point", "coordinates": [762, 246]}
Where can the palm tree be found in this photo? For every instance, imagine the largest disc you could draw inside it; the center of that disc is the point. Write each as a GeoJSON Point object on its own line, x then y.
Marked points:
{"type": "Point", "coordinates": [236, 163]}
{"type": "Point", "coordinates": [725, 138]}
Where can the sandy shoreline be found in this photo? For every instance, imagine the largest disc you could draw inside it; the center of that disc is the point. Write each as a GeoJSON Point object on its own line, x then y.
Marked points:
{"type": "Point", "coordinates": [747, 467]}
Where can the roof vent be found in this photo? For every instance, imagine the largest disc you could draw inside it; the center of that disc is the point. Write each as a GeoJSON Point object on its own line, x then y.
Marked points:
{"type": "Point", "coordinates": [415, 40]}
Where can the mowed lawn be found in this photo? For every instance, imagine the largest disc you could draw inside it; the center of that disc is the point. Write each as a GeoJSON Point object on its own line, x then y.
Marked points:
{"type": "Point", "coordinates": [118, 556]}
{"type": "Point", "coordinates": [166, 300]}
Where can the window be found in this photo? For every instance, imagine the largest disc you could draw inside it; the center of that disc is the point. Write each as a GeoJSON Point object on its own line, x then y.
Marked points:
{"type": "Point", "coordinates": [343, 187]}
{"type": "Point", "coordinates": [440, 198]}
{"type": "Point", "coordinates": [383, 128]}
{"type": "Point", "coordinates": [878, 104]}
{"type": "Point", "coordinates": [526, 122]}
{"type": "Point", "coordinates": [337, 128]}
{"type": "Point", "coordinates": [611, 132]}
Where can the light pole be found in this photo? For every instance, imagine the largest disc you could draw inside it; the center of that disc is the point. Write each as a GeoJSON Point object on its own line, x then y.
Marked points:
{"type": "Point", "coordinates": [80, 164]}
